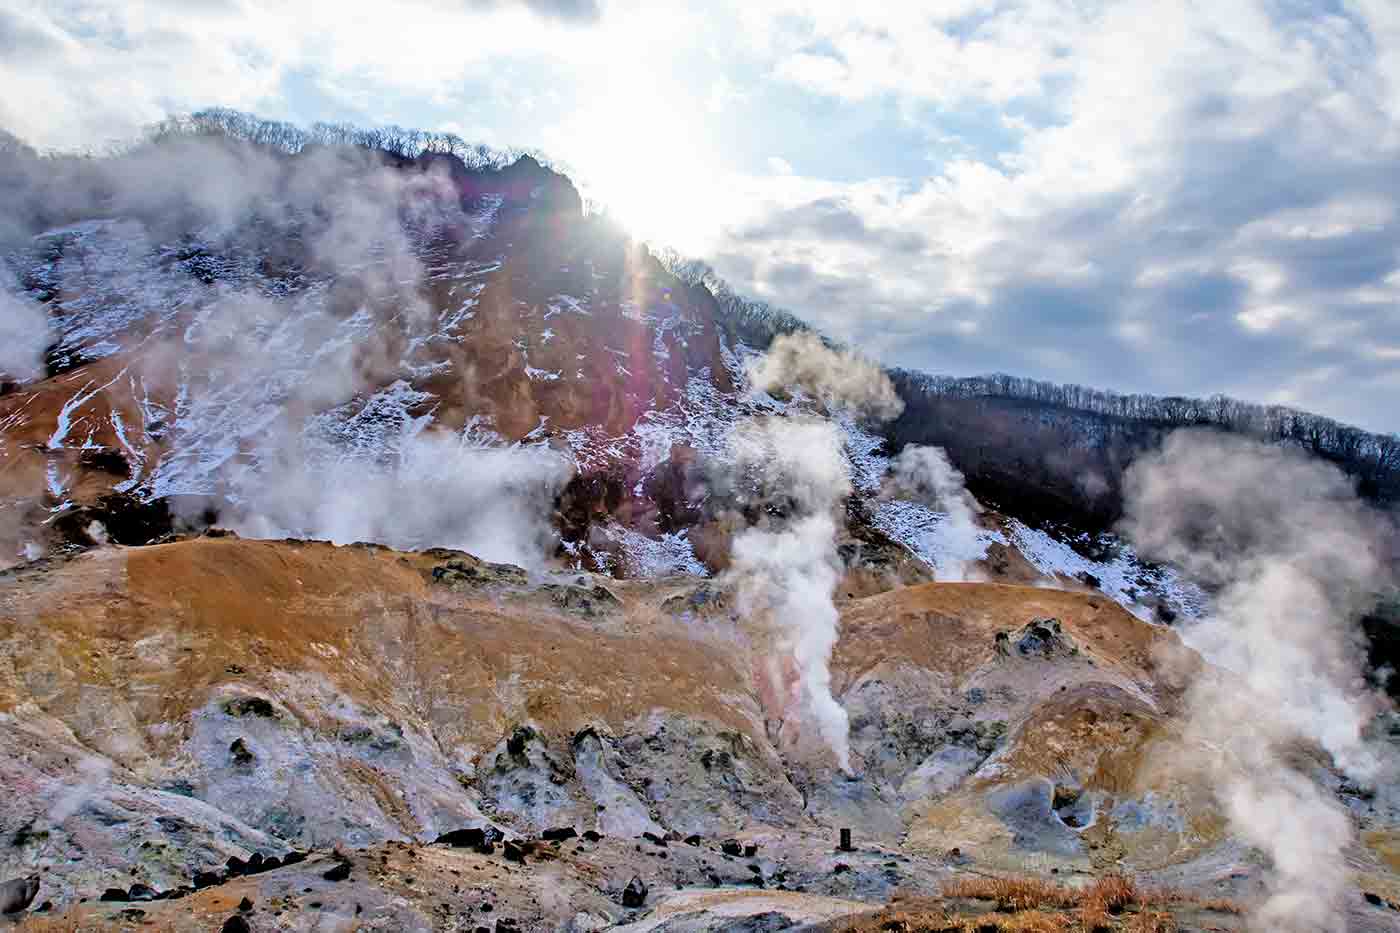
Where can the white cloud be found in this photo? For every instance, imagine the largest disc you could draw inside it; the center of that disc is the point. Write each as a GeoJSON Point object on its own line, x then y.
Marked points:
{"type": "Point", "coordinates": [1208, 208]}
{"type": "Point", "coordinates": [1142, 195]}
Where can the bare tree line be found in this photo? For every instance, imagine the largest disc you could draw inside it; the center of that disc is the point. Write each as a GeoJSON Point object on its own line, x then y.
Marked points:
{"type": "Point", "coordinates": [1122, 424]}
{"type": "Point", "coordinates": [1061, 449]}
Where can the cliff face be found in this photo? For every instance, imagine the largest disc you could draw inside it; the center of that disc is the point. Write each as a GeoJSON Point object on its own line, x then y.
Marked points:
{"type": "Point", "coordinates": [351, 302]}
{"type": "Point", "coordinates": [343, 344]}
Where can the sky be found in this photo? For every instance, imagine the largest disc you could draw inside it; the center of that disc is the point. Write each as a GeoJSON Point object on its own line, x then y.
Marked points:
{"type": "Point", "coordinates": [1164, 197]}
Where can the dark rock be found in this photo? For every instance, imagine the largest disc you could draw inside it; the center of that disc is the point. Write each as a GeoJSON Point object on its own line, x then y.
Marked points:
{"type": "Point", "coordinates": [133, 914]}
{"type": "Point", "coordinates": [750, 850]}
{"type": "Point", "coordinates": [840, 868]}
{"type": "Point", "coordinates": [339, 872]}
{"type": "Point", "coordinates": [592, 835]}
{"type": "Point", "coordinates": [513, 852]}
{"type": "Point", "coordinates": [270, 863]}
{"type": "Point", "coordinates": [243, 756]}
{"type": "Point", "coordinates": [692, 840]}
{"type": "Point", "coordinates": [469, 838]}
{"type": "Point", "coordinates": [44, 907]}
{"type": "Point", "coordinates": [129, 520]}
{"type": "Point", "coordinates": [18, 893]}
{"type": "Point", "coordinates": [519, 740]}
{"type": "Point", "coordinates": [141, 892]}
{"type": "Point", "coordinates": [236, 924]}
{"type": "Point", "coordinates": [635, 894]}
{"type": "Point", "coordinates": [293, 858]}
{"type": "Point", "coordinates": [206, 879]}
{"type": "Point", "coordinates": [587, 601]}
{"type": "Point", "coordinates": [559, 834]}
{"type": "Point", "coordinates": [1375, 900]}
{"type": "Point", "coordinates": [255, 862]}
{"type": "Point", "coordinates": [245, 905]}
{"type": "Point", "coordinates": [654, 839]}
{"type": "Point", "coordinates": [251, 706]}
{"type": "Point", "coordinates": [235, 866]}
{"type": "Point", "coordinates": [1042, 638]}
{"type": "Point", "coordinates": [113, 894]}
{"type": "Point", "coordinates": [731, 847]}
{"type": "Point", "coordinates": [506, 925]}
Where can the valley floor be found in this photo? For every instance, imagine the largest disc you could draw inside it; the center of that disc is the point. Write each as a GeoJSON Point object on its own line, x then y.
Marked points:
{"type": "Point", "coordinates": [167, 709]}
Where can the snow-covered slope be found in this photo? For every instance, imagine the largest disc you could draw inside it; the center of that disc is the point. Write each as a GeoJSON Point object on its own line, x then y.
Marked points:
{"type": "Point", "coordinates": [397, 350]}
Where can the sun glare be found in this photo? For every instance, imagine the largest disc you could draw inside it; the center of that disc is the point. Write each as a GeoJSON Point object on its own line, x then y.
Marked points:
{"type": "Point", "coordinates": [640, 161]}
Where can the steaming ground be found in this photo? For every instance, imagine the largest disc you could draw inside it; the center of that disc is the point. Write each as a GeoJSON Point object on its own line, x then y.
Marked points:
{"type": "Point", "coordinates": [604, 567]}
{"type": "Point", "coordinates": [269, 696]}
{"type": "Point", "coordinates": [1295, 557]}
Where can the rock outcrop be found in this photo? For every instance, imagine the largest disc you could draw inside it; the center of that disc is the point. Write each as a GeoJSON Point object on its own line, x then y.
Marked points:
{"type": "Point", "coordinates": [377, 707]}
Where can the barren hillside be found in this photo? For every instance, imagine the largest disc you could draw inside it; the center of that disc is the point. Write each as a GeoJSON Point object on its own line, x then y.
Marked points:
{"type": "Point", "coordinates": [166, 708]}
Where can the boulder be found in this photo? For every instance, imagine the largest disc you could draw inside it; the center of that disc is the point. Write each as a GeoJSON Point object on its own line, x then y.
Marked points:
{"type": "Point", "coordinates": [18, 893]}
{"type": "Point", "coordinates": [635, 894]}
{"type": "Point", "coordinates": [338, 872]}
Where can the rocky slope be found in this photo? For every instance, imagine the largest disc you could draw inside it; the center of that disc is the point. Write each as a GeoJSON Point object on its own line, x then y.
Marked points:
{"type": "Point", "coordinates": [164, 709]}
{"type": "Point", "coordinates": [537, 698]}
{"type": "Point", "coordinates": [355, 314]}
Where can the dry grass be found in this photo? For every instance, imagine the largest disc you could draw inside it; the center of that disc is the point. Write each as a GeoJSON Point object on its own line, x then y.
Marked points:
{"type": "Point", "coordinates": [1112, 902]}
{"type": "Point", "coordinates": [1220, 905]}
{"type": "Point", "coordinates": [930, 918]}
{"type": "Point", "coordinates": [1151, 921]}
{"type": "Point", "coordinates": [1107, 896]}
{"type": "Point", "coordinates": [1013, 893]}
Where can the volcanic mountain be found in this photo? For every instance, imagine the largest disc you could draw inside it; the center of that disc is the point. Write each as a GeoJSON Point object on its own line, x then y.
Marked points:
{"type": "Point", "coordinates": [378, 559]}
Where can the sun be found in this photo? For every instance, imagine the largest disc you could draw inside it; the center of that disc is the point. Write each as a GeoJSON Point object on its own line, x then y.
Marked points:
{"type": "Point", "coordinates": [646, 167]}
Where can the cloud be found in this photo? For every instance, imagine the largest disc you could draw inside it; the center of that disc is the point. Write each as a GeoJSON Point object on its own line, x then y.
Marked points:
{"type": "Point", "coordinates": [1202, 200]}
{"type": "Point", "coordinates": [577, 11]}
{"type": "Point", "coordinates": [1174, 199]}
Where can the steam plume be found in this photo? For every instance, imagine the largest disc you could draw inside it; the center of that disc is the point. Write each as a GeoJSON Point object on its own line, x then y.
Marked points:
{"type": "Point", "coordinates": [1294, 555]}
{"type": "Point", "coordinates": [785, 567]}
{"type": "Point", "coordinates": [925, 475]}
{"type": "Point", "coordinates": [288, 387]}
{"type": "Point", "coordinates": [441, 490]}
{"type": "Point", "coordinates": [785, 571]}
{"type": "Point", "coordinates": [24, 334]}
{"type": "Point", "coordinates": [838, 379]}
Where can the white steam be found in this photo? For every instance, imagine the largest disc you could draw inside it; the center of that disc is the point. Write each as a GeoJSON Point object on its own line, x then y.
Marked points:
{"type": "Point", "coordinates": [1294, 555]}
{"type": "Point", "coordinates": [441, 490]}
{"type": "Point", "coordinates": [925, 475]}
{"type": "Point", "coordinates": [73, 796]}
{"type": "Point", "coordinates": [838, 379]}
{"type": "Point", "coordinates": [785, 570]}
{"type": "Point", "coordinates": [785, 566]}
{"type": "Point", "coordinates": [289, 390]}
{"type": "Point", "coordinates": [24, 335]}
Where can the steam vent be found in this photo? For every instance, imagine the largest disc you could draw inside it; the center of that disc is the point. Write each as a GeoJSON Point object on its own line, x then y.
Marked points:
{"type": "Point", "coordinates": [391, 540]}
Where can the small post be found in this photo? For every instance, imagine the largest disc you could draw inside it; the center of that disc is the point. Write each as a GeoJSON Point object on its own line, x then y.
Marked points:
{"type": "Point", "coordinates": [845, 841]}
